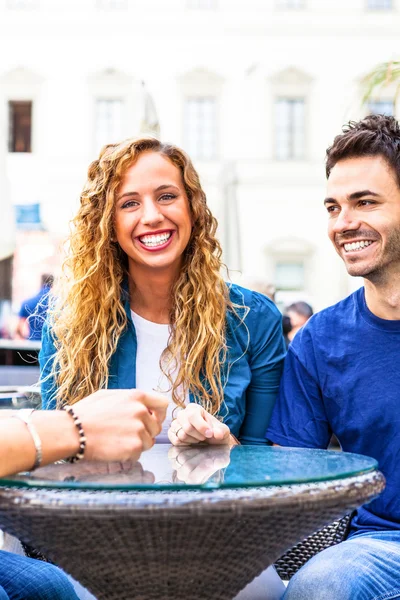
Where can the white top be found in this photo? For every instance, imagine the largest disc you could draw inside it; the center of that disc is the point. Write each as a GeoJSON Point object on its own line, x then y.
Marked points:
{"type": "Point", "coordinates": [152, 339]}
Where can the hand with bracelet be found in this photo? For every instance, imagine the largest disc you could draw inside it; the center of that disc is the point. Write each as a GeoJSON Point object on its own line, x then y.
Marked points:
{"type": "Point", "coordinates": [117, 425]}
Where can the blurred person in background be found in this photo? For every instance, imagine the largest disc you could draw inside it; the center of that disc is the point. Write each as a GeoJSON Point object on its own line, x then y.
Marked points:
{"type": "Point", "coordinates": [257, 284]}
{"type": "Point", "coordinates": [298, 314]}
{"type": "Point", "coordinates": [33, 312]}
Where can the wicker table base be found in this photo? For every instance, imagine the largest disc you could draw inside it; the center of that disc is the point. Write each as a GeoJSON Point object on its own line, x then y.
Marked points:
{"type": "Point", "coordinates": [191, 545]}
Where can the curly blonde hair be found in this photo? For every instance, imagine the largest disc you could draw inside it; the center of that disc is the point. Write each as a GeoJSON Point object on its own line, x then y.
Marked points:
{"type": "Point", "coordinates": [88, 316]}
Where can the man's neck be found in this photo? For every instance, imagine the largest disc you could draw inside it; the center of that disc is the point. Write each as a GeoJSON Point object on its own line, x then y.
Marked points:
{"type": "Point", "coordinates": [384, 300]}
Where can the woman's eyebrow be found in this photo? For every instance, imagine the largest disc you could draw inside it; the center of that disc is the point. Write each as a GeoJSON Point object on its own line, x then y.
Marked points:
{"type": "Point", "coordinates": [166, 186]}
{"type": "Point", "coordinates": [127, 194]}
{"type": "Point", "coordinates": [159, 189]}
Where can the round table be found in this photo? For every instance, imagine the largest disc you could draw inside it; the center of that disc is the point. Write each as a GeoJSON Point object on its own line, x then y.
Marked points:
{"type": "Point", "coordinates": [184, 523]}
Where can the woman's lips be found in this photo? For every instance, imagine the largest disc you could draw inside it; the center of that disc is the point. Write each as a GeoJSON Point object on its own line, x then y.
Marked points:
{"type": "Point", "coordinates": [157, 243]}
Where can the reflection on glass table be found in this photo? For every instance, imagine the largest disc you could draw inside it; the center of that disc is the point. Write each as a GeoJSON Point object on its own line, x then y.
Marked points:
{"type": "Point", "coordinates": [179, 467]}
{"type": "Point", "coordinates": [184, 523]}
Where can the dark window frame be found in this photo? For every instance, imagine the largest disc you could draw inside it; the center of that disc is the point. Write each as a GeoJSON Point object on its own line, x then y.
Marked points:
{"type": "Point", "coordinates": [20, 126]}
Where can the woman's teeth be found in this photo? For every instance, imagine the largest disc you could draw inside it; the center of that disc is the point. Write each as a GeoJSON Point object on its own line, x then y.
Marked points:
{"type": "Point", "coordinates": [155, 240]}
{"type": "Point", "coordinates": [357, 245]}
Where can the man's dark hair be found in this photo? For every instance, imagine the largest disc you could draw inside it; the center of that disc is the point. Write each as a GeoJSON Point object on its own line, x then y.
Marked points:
{"type": "Point", "coordinates": [47, 280]}
{"type": "Point", "coordinates": [376, 135]}
{"type": "Point", "coordinates": [301, 308]}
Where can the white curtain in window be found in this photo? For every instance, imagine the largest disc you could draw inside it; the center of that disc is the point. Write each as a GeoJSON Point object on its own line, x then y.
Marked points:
{"type": "Point", "coordinates": [379, 4]}
{"type": "Point", "coordinates": [289, 128]}
{"type": "Point", "coordinates": [290, 3]}
{"type": "Point", "coordinates": [200, 135]}
{"type": "Point", "coordinates": [108, 125]}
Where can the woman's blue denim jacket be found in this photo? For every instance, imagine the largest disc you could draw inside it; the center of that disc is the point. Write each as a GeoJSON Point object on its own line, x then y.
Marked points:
{"type": "Point", "coordinates": [252, 371]}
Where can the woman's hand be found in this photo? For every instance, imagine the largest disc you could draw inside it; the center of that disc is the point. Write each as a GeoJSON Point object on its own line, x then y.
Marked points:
{"type": "Point", "coordinates": [194, 425]}
{"type": "Point", "coordinates": [198, 464]}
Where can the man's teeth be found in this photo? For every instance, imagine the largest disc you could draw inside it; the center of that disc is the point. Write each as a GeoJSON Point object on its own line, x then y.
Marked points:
{"type": "Point", "coordinates": [357, 245]}
{"type": "Point", "coordinates": [155, 240]}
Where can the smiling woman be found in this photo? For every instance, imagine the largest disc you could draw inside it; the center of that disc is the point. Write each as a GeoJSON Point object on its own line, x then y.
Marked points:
{"type": "Point", "coordinates": [142, 303]}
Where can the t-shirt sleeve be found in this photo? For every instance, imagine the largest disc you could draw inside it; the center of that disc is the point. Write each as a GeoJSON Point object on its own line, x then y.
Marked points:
{"type": "Point", "coordinates": [46, 359]}
{"type": "Point", "coordinates": [25, 311]}
{"type": "Point", "coordinates": [299, 418]}
{"type": "Point", "coordinates": [267, 352]}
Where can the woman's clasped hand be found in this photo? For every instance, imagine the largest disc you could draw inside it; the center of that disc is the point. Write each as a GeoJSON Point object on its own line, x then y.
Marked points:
{"type": "Point", "coordinates": [194, 425]}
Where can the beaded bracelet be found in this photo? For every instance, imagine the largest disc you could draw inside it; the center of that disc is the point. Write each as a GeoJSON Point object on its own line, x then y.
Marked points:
{"type": "Point", "coordinates": [82, 438]}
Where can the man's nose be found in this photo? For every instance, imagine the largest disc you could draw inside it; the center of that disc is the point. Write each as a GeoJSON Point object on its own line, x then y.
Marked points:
{"type": "Point", "coordinates": [151, 214]}
{"type": "Point", "coordinates": [347, 220]}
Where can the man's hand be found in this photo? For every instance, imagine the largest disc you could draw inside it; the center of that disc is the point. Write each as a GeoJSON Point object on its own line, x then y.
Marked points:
{"type": "Point", "coordinates": [120, 424]}
{"type": "Point", "coordinates": [194, 425]}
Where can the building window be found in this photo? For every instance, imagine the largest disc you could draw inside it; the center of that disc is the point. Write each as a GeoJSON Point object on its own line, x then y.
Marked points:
{"type": "Point", "coordinates": [108, 126]}
{"type": "Point", "coordinates": [20, 126]}
{"type": "Point", "coordinates": [381, 107]}
{"type": "Point", "coordinates": [111, 4]}
{"type": "Point", "coordinates": [21, 4]}
{"type": "Point", "coordinates": [379, 4]}
{"type": "Point", "coordinates": [200, 127]}
{"type": "Point", "coordinates": [289, 4]}
{"type": "Point", "coordinates": [201, 4]}
{"type": "Point", "coordinates": [289, 276]}
{"type": "Point", "coordinates": [290, 128]}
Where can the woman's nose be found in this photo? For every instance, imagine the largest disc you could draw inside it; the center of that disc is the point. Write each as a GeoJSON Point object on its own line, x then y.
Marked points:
{"type": "Point", "coordinates": [151, 214]}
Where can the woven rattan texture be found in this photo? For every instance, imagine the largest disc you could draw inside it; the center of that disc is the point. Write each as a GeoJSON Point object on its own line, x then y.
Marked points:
{"type": "Point", "coordinates": [180, 546]}
{"type": "Point", "coordinates": [288, 564]}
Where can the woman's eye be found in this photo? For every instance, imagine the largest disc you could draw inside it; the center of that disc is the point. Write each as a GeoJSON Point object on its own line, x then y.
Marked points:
{"type": "Point", "coordinates": [167, 197]}
{"type": "Point", "coordinates": [129, 204]}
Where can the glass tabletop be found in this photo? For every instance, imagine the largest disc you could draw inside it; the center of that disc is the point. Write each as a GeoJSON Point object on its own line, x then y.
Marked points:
{"type": "Point", "coordinates": [166, 467]}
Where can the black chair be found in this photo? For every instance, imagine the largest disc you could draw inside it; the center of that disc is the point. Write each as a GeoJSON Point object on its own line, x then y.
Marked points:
{"type": "Point", "coordinates": [288, 564]}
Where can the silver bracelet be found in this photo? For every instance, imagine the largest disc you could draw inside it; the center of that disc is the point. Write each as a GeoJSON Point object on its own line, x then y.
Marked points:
{"type": "Point", "coordinates": [24, 414]}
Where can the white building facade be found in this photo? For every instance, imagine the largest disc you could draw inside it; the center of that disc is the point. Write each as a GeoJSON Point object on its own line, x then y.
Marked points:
{"type": "Point", "coordinates": [255, 91]}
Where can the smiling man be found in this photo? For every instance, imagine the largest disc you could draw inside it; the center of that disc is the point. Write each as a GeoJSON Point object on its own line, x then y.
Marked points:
{"type": "Point", "coordinates": [342, 371]}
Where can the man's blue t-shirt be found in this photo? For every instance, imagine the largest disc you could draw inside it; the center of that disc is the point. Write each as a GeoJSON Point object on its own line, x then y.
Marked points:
{"type": "Point", "coordinates": [35, 310]}
{"type": "Point", "coordinates": [342, 376]}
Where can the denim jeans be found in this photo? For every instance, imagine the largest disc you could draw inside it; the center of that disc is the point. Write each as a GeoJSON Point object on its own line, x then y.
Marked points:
{"type": "Point", "coordinates": [23, 578]}
{"type": "Point", "coordinates": [364, 567]}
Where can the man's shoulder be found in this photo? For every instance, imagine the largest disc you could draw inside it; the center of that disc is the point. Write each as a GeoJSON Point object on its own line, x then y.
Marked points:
{"type": "Point", "coordinates": [334, 314]}
{"type": "Point", "coordinates": [325, 329]}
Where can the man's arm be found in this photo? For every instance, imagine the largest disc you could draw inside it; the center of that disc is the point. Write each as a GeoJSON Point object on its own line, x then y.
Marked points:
{"type": "Point", "coordinates": [22, 329]}
{"type": "Point", "coordinates": [299, 418]}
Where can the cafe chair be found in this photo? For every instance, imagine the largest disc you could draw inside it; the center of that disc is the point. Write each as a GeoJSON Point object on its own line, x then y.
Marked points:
{"type": "Point", "coordinates": [288, 564]}
{"type": "Point", "coordinates": [21, 396]}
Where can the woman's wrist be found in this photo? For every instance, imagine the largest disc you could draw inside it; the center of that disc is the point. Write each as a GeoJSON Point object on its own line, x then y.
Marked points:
{"type": "Point", "coordinates": [233, 440]}
{"type": "Point", "coordinates": [58, 434]}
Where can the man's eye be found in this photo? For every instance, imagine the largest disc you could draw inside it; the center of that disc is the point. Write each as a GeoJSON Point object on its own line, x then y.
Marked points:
{"type": "Point", "coordinates": [331, 209]}
{"type": "Point", "coordinates": [366, 202]}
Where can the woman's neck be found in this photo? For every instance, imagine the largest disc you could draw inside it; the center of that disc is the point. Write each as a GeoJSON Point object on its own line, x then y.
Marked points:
{"type": "Point", "coordinates": [150, 298]}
